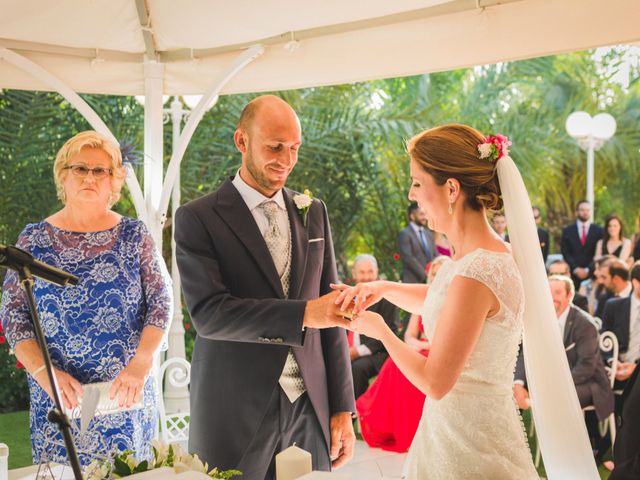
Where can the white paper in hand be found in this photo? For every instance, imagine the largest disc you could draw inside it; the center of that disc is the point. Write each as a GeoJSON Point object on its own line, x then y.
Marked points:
{"type": "Point", "coordinates": [105, 405]}
{"type": "Point", "coordinates": [89, 404]}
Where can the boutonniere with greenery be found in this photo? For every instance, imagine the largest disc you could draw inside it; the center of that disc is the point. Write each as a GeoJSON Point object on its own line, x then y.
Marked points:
{"type": "Point", "coordinates": [303, 201]}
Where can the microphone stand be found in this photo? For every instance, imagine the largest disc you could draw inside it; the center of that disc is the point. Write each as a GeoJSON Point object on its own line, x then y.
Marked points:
{"type": "Point", "coordinates": [56, 415]}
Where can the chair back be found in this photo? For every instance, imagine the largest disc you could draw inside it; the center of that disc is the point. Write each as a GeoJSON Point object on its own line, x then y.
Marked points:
{"type": "Point", "coordinates": [174, 427]}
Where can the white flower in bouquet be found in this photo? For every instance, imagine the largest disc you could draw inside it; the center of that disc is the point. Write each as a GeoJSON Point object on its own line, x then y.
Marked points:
{"type": "Point", "coordinates": [160, 452]}
{"type": "Point", "coordinates": [190, 463]}
{"type": "Point", "coordinates": [131, 461]}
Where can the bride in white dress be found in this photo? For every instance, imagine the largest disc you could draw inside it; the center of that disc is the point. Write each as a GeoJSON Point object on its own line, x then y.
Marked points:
{"type": "Point", "coordinates": [473, 314]}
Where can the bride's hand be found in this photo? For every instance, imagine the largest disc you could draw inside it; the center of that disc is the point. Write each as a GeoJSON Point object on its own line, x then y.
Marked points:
{"type": "Point", "coordinates": [359, 298]}
{"type": "Point", "coordinates": [370, 324]}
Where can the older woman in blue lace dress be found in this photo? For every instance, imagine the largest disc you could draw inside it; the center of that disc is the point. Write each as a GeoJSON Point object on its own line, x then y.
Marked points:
{"type": "Point", "coordinates": [109, 326]}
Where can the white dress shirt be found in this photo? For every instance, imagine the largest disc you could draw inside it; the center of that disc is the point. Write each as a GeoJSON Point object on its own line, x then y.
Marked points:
{"type": "Point", "coordinates": [562, 320]}
{"type": "Point", "coordinates": [634, 332]}
{"type": "Point", "coordinates": [580, 223]}
{"type": "Point", "coordinates": [624, 293]}
{"type": "Point", "coordinates": [362, 349]}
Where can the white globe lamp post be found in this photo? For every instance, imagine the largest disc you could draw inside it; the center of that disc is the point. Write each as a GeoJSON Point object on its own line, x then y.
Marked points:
{"type": "Point", "coordinates": [590, 133]}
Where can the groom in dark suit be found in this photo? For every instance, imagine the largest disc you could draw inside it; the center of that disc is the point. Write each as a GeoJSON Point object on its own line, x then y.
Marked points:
{"type": "Point", "coordinates": [256, 261]}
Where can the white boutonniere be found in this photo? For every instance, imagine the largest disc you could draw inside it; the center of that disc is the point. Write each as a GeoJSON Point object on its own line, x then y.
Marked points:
{"type": "Point", "coordinates": [303, 202]}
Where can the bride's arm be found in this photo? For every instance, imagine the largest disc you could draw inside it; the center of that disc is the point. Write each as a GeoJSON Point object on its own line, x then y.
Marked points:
{"type": "Point", "coordinates": [408, 296]}
{"type": "Point", "coordinates": [456, 335]}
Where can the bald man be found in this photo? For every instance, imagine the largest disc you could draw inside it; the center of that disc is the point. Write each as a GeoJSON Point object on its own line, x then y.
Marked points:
{"type": "Point", "coordinates": [269, 366]}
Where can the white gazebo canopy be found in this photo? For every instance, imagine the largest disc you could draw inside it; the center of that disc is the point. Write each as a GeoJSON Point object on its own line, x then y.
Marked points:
{"type": "Point", "coordinates": [100, 46]}
{"type": "Point", "coordinates": [211, 47]}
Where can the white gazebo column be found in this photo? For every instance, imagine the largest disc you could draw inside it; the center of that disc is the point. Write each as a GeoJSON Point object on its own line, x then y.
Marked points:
{"type": "Point", "coordinates": [153, 146]}
{"type": "Point", "coordinates": [176, 399]}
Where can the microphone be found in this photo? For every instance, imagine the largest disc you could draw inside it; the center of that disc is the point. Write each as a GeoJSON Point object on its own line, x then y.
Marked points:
{"type": "Point", "coordinates": [17, 259]}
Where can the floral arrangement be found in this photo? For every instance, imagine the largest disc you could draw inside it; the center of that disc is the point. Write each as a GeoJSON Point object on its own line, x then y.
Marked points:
{"type": "Point", "coordinates": [303, 201]}
{"type": "Point", "coordinates": [173, 456]}
{"type": "Point", "coordinates": [494, 147]}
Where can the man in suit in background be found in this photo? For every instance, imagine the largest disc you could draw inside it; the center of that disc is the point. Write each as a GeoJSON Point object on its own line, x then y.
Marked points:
{"type": "Point", "coordinates": [615, 279]}
{"type": "Point", "coordinates": [578, 243]}
{"type": "Point", "coordinates": [581, 343]}
{"type": "Point", "coordinates": [543, 235]}
{"type": "Point", "coordinates": [268, 368]}
{"type": "Point", "coordinates": [368, 354]}
{"type": "Point", "coordinates": [499, 224]}
{"type": "Point", "coordinates": [416, 245]}
{"type": "Point", "coordinates": [622, 317]}
{"type": "Point", "coordinates": [560, 267]}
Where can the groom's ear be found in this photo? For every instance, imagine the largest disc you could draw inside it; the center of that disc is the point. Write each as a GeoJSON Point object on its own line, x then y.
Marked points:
{"type": "Point", "coordinates": [240, 139]}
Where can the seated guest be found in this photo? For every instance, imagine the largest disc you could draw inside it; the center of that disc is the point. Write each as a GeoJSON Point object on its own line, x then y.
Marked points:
{"type": "Point", "coordinates": [622, 317]}
{"type": "Point", "coordinates": [368, 354]}
{"type": "Point", "coordinates": [390, 410]}
{"type": "Point", "coordinates": [581, 343]}
{"type": "Point", "coordinates": [615, 278]}
{"type": "Point", "coordinates": [592, 288]}
{"type": "Point", "coordinates": [613, 241]}
{"type": "Point", "coordinates": [109, 326]}
{"type": "Point", "coordinates": [560, 267]}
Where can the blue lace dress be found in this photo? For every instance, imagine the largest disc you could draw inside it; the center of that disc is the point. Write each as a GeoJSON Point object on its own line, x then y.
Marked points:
{"type": "Point", "coordinates": [92, 329]}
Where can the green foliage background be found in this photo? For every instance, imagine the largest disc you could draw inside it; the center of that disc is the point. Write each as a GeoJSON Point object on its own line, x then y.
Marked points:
{"type": "Point", "coordinates": [353, 148]}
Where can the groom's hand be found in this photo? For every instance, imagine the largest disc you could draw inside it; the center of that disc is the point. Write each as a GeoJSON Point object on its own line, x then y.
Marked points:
{"type": "Point", "coordinates": [342, 439]}
{"type": "Point", "coordinates": [324, 313]}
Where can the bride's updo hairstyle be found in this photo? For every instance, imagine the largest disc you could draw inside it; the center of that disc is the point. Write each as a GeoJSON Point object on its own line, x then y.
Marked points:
{"type": "Point", "coordinates": [451, 151]}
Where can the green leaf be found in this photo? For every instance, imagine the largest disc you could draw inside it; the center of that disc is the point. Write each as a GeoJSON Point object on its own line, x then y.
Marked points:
{"type": "Point", "coordinates": [142, 467]}
{"type": "Point", "coordinates": [122, 469]}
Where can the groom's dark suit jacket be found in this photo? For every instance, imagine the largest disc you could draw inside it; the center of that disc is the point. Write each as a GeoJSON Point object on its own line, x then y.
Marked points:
{"type": "Point", "coordinates": [245, 326]}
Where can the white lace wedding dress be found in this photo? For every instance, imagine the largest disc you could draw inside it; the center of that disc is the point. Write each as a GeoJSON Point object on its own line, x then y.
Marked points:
{"type": "Point", "coordinates": [475, 431]}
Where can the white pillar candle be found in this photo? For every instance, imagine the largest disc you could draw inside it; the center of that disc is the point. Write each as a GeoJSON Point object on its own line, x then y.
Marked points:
{"type": "Point", "coordinates": [292, 463]}
{"type": "Point", "coordinates": [4, 461]}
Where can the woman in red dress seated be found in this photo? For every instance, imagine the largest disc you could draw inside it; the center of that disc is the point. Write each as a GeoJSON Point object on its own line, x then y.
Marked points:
{"type": "Point", "coordinates": [390, 410]}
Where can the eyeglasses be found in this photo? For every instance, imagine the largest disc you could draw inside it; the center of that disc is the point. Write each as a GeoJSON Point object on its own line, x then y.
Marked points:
{"type": "Point", "coordinates": [82, 171]}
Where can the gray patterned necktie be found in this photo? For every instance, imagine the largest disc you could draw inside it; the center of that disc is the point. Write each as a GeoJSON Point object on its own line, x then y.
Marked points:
{"type": "Point", "coordinates": [279, 244]}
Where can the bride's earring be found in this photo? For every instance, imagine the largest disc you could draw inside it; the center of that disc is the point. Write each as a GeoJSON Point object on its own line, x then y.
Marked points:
{"type": "Point", "coordinates": [450, 208]}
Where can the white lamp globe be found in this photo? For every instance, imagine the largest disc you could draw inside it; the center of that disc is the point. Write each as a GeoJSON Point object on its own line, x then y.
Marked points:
{"type": "Point", "coordinates": [140, 99]}
{"type": "Point", "coordinates": [193, 100]}
{"type": "Point", "coordinates": [604, 126]}
{"type": "Point", "coordinates": [579, 124]}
